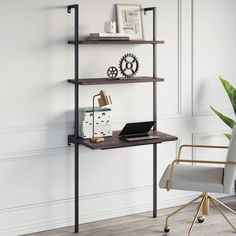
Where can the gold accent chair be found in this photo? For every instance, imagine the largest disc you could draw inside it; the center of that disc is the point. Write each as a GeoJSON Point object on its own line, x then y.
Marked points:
{"type": "Point", "coordinates": [202, 178]}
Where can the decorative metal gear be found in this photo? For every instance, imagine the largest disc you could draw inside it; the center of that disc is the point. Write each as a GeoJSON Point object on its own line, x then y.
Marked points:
{"type": "Point", "coordinates": [129, 65]}
{"type": "Point", "coordinates": [112, 72]}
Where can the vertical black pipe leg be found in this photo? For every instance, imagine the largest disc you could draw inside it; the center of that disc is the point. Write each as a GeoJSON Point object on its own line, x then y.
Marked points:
{"type": "Point", "coordinates": [235, 187]}
{"type": "Point", "coordinates": [76, 113]}
{"type": "Point", "coordinates": [153, 9]}
{"type": "Point", "coordinates": [154, 181]}
{"type": "Point", "coordinates": [154, 117]}
{"type": "Point", "coordinates": [76, 188]}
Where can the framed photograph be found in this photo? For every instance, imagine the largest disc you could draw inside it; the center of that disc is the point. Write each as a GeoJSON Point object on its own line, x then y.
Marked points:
{"type": "Point", "coordinates": [130, 20]}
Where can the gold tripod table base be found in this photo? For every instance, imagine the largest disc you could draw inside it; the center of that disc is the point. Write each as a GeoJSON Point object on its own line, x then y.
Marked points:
{"type": "Point", "coordinates": [204, 207]}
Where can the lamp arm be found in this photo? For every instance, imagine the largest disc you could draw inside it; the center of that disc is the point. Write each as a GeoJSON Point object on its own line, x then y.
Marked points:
{"type": "Point", "coordinates": [93, 110]}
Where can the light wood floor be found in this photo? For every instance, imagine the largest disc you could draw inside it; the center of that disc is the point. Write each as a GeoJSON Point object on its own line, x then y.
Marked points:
{"type": "Point", "coordinates": [144, 225]}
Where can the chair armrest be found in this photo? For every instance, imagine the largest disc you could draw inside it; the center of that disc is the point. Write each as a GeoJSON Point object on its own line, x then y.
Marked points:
{"type": "Point", "coordinates": [169, 183]}
{"type": "Point", "coordinates": [197, 146]}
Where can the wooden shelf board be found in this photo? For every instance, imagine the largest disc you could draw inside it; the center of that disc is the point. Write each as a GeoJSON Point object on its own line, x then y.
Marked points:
{"type": "Point", "coordinates": [96, 81]}
{"type": "Point", "coordinates": [115, 142]}
{"type": "Point", "coordinates": [116, 42]}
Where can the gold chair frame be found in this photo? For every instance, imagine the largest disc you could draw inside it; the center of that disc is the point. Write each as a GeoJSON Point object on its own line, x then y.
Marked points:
{"type": "Point", "coordinates": [205, 197]}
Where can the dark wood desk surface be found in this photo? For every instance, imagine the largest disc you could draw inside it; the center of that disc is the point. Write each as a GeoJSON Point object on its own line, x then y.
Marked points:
{"type": "Point", "coordinates": [116, 142]}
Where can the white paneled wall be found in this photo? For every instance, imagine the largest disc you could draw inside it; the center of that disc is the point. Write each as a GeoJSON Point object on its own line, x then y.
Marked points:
{"type": "Point", "coordinates": [213, 33]}
{"type": "Point", "coordinates": [36, 166]}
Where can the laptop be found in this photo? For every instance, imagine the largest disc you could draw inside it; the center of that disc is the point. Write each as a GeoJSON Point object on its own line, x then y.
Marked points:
{"type": "Point", "coordinates": [137, 131]}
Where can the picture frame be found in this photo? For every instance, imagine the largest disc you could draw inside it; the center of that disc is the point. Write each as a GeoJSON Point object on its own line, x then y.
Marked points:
{"type": "Point", "coordinates": [130, 20]}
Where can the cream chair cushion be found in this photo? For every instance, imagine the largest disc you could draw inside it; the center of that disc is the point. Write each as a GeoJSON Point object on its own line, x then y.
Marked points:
{"type": "Point", "coordinates": [195, 178]}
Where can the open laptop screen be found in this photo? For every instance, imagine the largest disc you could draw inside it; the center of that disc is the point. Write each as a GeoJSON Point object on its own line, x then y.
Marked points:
{"type": "Point", "coordinates": [137, 128]}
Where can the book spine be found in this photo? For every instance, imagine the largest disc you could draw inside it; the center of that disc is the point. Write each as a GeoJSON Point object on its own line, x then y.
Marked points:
{"type": "Point", "coordinates": [107, 38]}
{"type": "Point", "coordinates": [113, 38]}
{"type": "Point", "coordinates": [108, 35]}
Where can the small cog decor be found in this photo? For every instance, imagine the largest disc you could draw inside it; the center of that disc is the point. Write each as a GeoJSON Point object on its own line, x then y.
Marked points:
{"type": "Point", "coordinates": [112, 72]}
{"type": "Point", "coordinates": [129, 65]}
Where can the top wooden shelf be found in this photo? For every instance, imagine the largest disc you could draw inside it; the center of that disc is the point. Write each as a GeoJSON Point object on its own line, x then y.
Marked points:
{"type": "Point", "coordinates": [115, 42]}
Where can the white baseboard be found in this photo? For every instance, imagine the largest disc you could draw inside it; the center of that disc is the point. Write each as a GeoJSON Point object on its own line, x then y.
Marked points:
{"type": "Point", "coordinates": [57, 214]}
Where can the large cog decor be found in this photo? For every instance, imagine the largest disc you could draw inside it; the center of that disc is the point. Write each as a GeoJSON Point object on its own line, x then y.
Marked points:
{"type": "Point", "coordinates": [129, 65]}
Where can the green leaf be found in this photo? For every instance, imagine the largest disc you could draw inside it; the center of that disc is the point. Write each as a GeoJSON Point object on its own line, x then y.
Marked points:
{"type": "Point", "coordinates": [234, 97]}
{"type": "Point", "coordinates": [228, 136]}
{"type": "Point", "coordinates": [228, 121]}
{"type": "Point", "coordinates": [231, 91]}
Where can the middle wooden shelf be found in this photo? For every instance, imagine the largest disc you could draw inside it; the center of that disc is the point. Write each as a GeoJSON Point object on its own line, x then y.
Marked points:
{"type": "Point", "coordinates": [96, 81]}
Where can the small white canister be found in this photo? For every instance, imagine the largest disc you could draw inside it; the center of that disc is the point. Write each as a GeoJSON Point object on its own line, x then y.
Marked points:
{"type": "Point", "coordinates": [110, 27]}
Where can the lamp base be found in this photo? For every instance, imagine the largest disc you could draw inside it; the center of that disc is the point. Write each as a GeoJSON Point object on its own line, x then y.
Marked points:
{"type": "Point", "coordinates": [97, 139]}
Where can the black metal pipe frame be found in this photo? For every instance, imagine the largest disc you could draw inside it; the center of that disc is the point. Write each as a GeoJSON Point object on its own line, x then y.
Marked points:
{"type": "Point", "coordinates": [76, 113]}
{"type": "Point", "coordinates": [153, 9]}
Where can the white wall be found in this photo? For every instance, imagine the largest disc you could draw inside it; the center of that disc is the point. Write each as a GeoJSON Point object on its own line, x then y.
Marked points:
{"type": "Point", "coordinates": [36, 166]}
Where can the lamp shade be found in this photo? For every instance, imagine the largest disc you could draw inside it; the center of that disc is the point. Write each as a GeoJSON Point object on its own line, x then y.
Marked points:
{"type": "Point", "coordinates": [104, 99]}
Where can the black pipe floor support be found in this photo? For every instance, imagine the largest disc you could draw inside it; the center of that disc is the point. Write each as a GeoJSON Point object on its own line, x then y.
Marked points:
{"type": "Point", "coordinates": [153, 9]}
{"type": "Point", "coordinates": [76, 113]}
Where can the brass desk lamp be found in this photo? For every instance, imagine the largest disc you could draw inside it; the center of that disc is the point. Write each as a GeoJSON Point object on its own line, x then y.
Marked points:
{"type": "Point", "coordinates": [103, 101]}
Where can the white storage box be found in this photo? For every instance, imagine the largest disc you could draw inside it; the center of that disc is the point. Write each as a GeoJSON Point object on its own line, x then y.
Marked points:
{"type": "Point", "coordinates": [102, 122]}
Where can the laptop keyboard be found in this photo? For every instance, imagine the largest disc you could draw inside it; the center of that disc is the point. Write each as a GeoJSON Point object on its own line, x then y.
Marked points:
{"type": "Point", "coordinates": [142, 138]}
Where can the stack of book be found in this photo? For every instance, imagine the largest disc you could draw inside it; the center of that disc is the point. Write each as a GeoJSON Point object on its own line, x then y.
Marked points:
{"type": "Point", "coordinates": [108, 36]}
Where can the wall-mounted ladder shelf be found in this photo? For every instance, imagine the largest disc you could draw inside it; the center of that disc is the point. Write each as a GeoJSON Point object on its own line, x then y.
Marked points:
{"type": "Point", "coordinates": [114, 141]}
